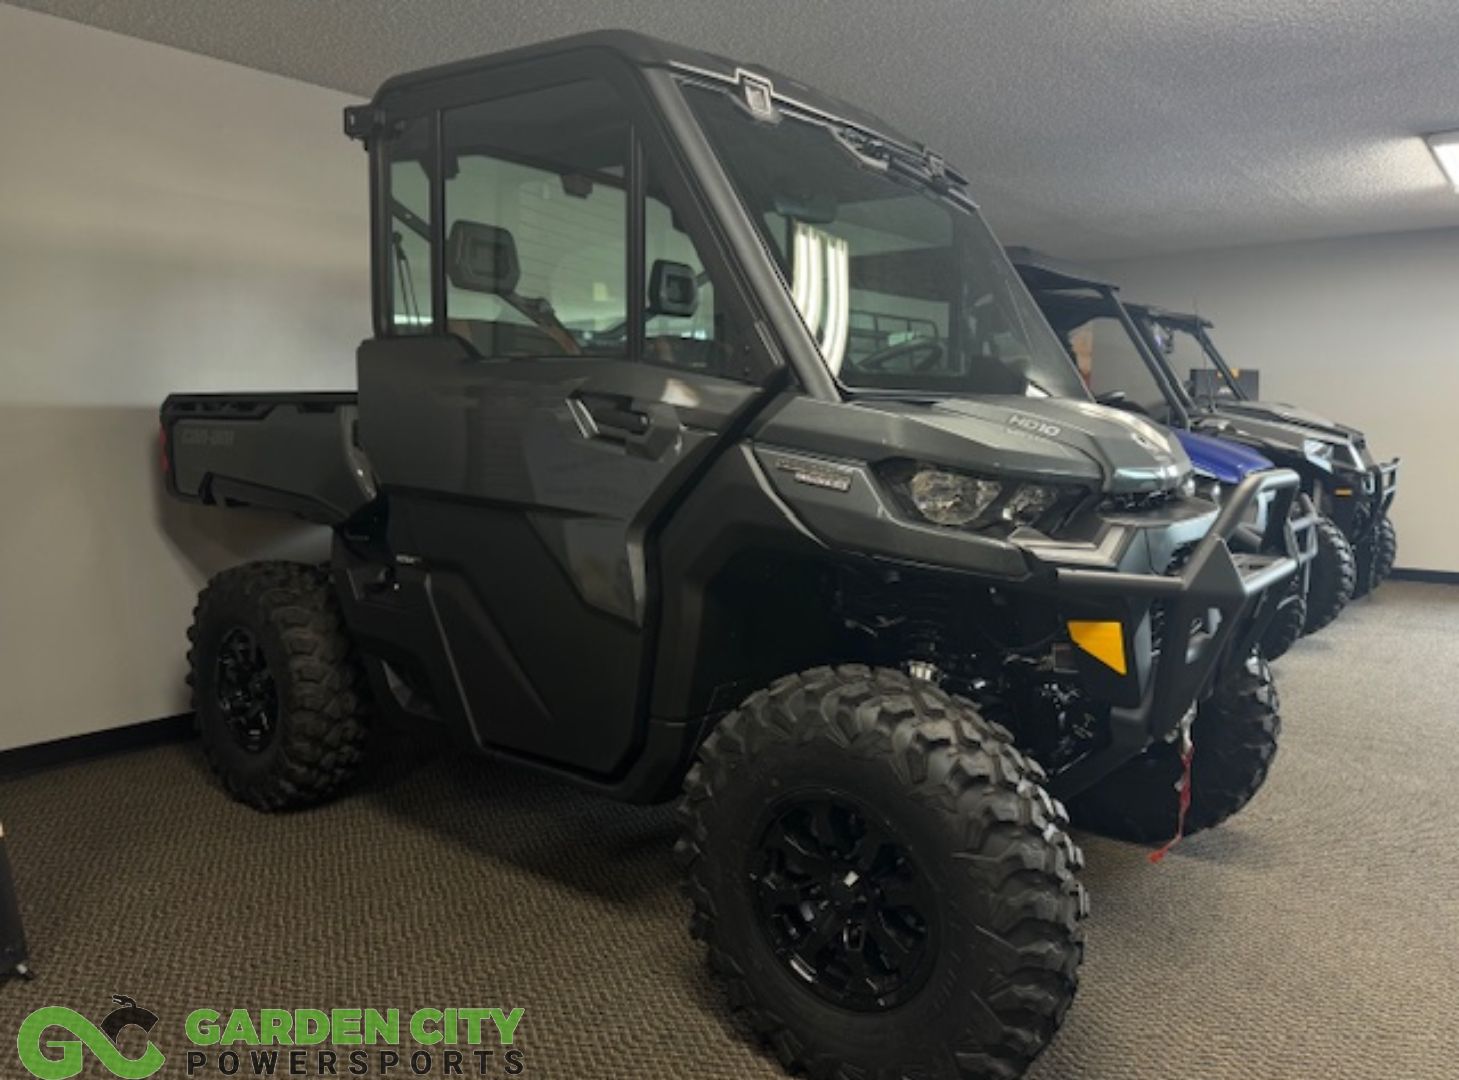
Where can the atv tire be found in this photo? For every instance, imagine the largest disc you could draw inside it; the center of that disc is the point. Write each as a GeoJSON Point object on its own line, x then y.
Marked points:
{"type": "Point", "coordinates": [1236, 734]}
{"type": "Point", "coordinates": [1289, 622]}
{"type": "Point", "coordinates": [1332, 577]}
{"type": "Point", "coordinates": [1385, 551]}
{"type": "Point", "coordinates": [279, 697]}
{"type": "Point", "coordinates": [849, 822]}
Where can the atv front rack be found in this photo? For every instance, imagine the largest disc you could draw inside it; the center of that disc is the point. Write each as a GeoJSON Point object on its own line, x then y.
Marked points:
{"type": "Point", "coordinates": [1211, 614]}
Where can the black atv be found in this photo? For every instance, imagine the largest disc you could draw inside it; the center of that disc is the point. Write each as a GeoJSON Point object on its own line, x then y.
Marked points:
{"type": "Point", "coordinates": [708, 446]}
{"type": "Point", "coordinates": [1349, 486]}
{"type": "Point", "coordinates": [1124, 373]}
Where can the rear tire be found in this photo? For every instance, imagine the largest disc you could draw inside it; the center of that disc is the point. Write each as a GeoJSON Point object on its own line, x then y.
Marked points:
{"type": "Point", "coordinates": [1236, 733]}
{"type": "Point", "coordinates": [951, 811]}
{"type": "Point", "coordinates": [279, 696]}
{"type": "Point", "coordinates": [1332, 577]}
{"type": "Point", "coordinates": [1290, 621]}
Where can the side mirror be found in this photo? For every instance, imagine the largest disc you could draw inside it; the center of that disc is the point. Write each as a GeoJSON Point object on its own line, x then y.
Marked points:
{"type": "Point", "coordinates": [482, 258]}
{"type": "Point", "coordinates": [673, 289]}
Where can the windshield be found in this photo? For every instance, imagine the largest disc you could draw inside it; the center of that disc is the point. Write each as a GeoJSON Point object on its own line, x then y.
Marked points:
{"type": "Point", "coordinates": [1185, 356]}
{"type": "Point", "coordinates": [903, 289]}
{"type": "Point", "coordinates": [1106, 353]}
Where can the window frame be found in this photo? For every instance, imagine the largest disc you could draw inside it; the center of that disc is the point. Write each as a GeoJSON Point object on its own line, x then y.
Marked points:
{"type": "Point", "coordinates": [651, 147]}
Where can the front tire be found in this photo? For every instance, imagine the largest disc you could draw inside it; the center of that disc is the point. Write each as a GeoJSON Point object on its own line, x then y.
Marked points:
{"type": "Point", "coordinates": [882, 881]}
{"type": "Point", "coordinates": [1289, 622]}
{"type": "Point", "coordinates": [1332, 578]}
{"type": "Point", "coordinates": [1236, 733]}
{"type": "Point", "coordinates": [1385, 551]}
{"type": "Point", "coordinates": [280, 700]}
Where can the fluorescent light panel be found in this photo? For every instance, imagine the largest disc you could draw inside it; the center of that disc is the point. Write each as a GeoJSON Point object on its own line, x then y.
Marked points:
{"type": "Point", "coordinates": [1445, 148]}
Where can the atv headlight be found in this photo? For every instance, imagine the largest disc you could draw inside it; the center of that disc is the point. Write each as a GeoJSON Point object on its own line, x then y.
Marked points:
{"type": "Point", "coordinates": [964, 501]}
{"type": "Point", "coordinates": [1318, 452]}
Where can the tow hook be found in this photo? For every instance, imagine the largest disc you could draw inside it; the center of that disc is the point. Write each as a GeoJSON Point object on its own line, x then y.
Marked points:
{"type": "Point", "coordinates": [1187, 744]}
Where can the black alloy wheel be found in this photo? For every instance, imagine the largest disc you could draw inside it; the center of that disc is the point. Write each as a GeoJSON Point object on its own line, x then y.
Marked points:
{"type": "Point", "coordinates": [842, 904]}
{"type": "Point", "coordinates": [247, 696]}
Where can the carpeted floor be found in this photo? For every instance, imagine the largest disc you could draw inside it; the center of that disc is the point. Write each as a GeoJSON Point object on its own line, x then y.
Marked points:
{"type": "Point", "coordinates": [1317, 935]}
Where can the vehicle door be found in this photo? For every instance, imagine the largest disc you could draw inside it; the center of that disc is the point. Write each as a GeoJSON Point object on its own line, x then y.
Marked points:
{"type": "Point", "coordinates": [560, 349]}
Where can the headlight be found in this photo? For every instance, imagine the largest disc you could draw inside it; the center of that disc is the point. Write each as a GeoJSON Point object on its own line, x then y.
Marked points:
{"type": "Point", "coordinates": [1318, 452]}
{"type": "Point", "coordinates": [945, 498]}
{"type": "Point", "coordinates": [963, 501]}
{"type": "Point", "coordinates": [1028, 503]}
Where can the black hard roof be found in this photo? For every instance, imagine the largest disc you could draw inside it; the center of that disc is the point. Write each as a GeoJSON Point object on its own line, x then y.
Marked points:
{"type": "Point", "coordinates": [1175, 318]}
{"type": "Point", "coordinates": [1042, 271]}
{"type": "Point", "coordinates": [645, 51]}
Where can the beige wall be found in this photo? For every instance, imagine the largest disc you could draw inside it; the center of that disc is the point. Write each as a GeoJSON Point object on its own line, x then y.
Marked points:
{"type": "Point", "coordinates": [1364, 330]}
{"type": "Point", "coordinates": [167, 222]}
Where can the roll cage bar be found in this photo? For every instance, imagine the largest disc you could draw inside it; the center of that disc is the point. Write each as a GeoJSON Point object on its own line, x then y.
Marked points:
{"type": "Point", "coordinates": [1196, 327]}
{"type": "Point", "coordinates": [1075, 296]}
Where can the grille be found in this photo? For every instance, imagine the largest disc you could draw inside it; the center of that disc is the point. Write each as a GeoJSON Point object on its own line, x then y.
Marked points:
{"type": "Point", "coordinates": [1178, 559]}
{"type": "Point", "coordinates": [1139, 500]}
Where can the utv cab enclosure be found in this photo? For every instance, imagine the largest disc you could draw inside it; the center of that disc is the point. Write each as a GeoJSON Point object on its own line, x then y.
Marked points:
{"type": "Point", "coordinates": [707, 444]}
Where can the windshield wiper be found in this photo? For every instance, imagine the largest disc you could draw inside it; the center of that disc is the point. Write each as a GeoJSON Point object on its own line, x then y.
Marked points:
{"type": "Point", "coordinates": [920, 165]}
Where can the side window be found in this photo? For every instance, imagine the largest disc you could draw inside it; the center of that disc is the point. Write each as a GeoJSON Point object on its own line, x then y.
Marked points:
{"type": "Point", "coordinates": [689, 321]}
{"type": "Point", "coordinates": [409, 236]}
{"type": "Point", "coordinates": [536, 251]}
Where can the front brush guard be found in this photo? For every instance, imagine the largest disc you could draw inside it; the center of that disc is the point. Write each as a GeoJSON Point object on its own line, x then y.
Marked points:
{"type": "Point", "coordinates": [1386, 475]}
{"type": "Point", "coordinates": [1216, 609]}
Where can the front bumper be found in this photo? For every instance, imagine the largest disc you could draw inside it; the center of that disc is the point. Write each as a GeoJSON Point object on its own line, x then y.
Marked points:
{"type": "Point", "coordinates": [1359, 502]}
{"type": "Point", "coordinates": [1182, 630]}
{"type": "Point", "coordinates": [1385, 477]}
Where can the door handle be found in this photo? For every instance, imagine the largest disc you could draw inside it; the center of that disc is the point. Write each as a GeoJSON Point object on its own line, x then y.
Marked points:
{"type": "Point", "coordinates": [614, 415]}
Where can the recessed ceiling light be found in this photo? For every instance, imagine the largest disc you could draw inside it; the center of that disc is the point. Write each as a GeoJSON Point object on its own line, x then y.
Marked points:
{"type": "Point", "coordinates": [1445, 148]}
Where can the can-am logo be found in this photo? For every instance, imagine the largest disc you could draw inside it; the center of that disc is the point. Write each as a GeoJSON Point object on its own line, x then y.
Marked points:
{"type": "Point", "coordinates": [1034, 426]}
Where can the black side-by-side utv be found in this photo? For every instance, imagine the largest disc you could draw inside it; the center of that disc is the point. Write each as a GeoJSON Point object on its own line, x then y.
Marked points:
{"type": "Point", "coordinates": [707, 445]}
{"type": "Point", "coordinates": [1349, 485]}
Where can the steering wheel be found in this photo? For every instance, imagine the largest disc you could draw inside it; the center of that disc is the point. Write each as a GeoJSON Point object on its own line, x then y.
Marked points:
{"type": "Point", "coordinates": [880, 360]}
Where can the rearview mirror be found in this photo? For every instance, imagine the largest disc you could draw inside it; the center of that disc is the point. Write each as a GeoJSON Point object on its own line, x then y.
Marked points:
{"type": "Point", "coordinates": [673, 289]}
{"type": "Point", "coordinates": [482, 258]}
{"type": "Point", "coordinates": [818, 208]}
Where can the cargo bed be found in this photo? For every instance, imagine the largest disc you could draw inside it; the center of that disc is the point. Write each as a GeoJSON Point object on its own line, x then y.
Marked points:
{"type": "Point", "coordinates": [296, 453]}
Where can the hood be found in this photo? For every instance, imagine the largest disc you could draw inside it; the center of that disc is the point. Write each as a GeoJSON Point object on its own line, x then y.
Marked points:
{"type": "Point", "coordinates": [1219, 459]}
{"type": "Point", "coordinates": [1312, 424]}
{"type": "Point", "coordinates": [1288, 444]}
{"type": "Point", "coordinates": [1059, 438]}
